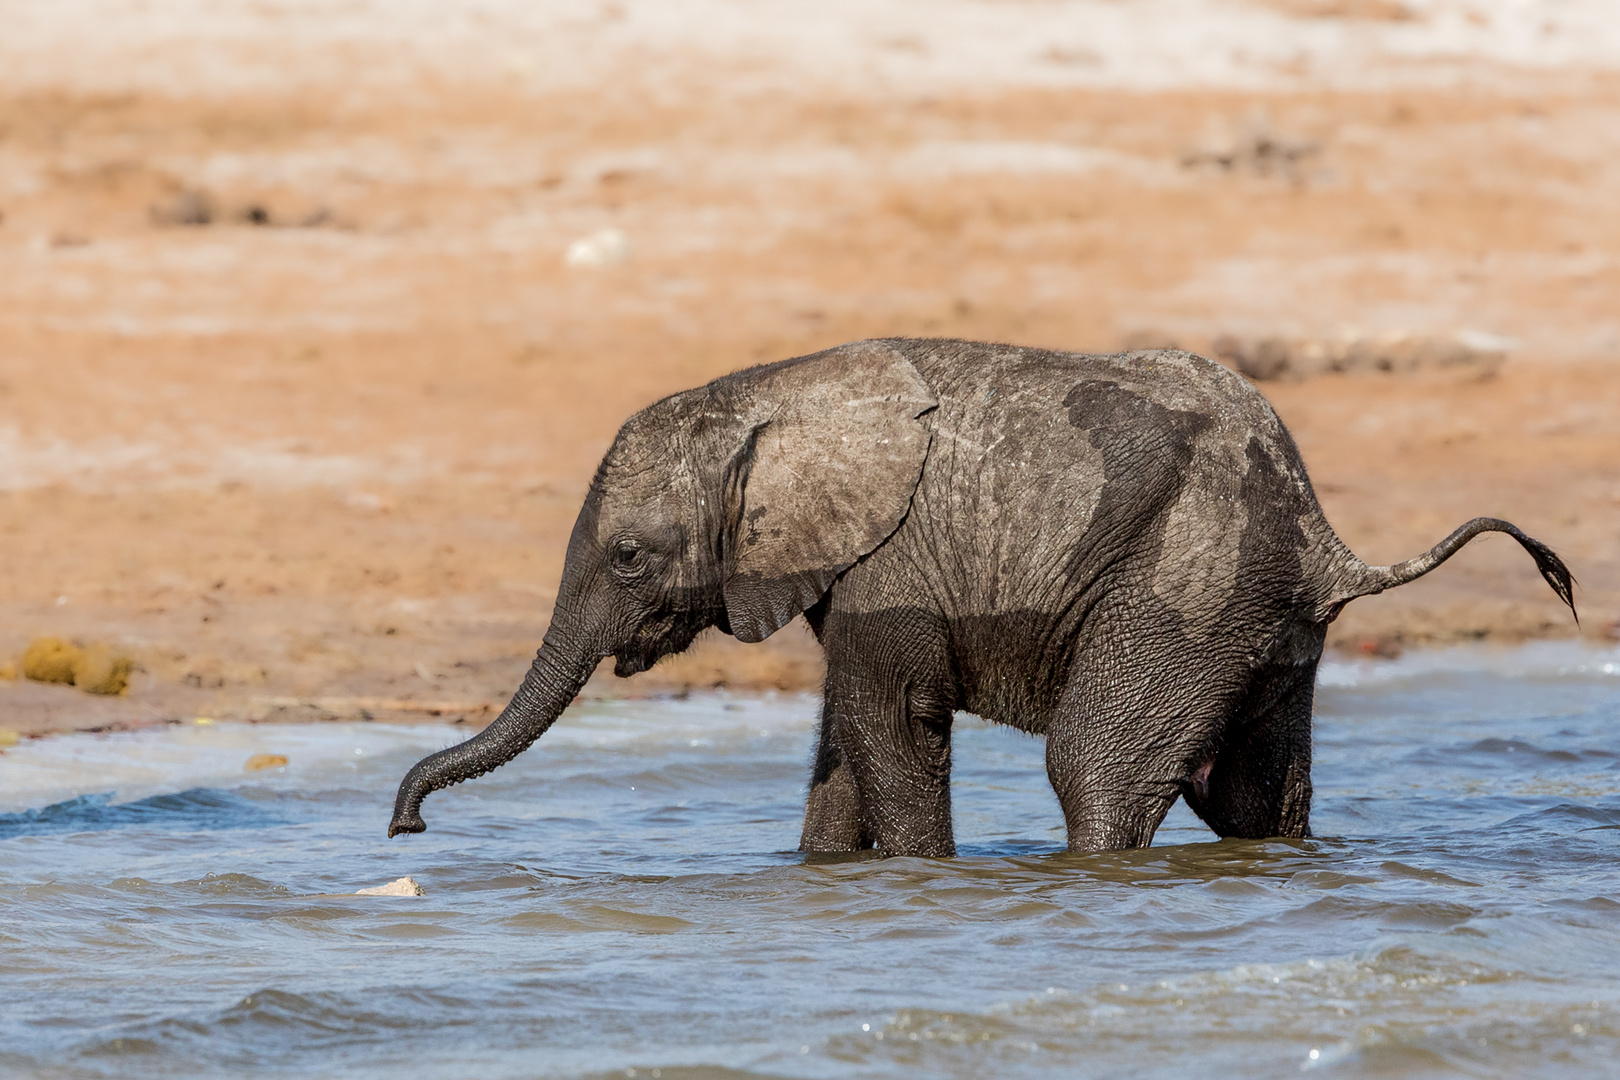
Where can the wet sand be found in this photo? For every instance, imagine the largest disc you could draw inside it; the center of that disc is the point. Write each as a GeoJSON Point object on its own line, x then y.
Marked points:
{"type": "Point", "coordinates": [299, 392]}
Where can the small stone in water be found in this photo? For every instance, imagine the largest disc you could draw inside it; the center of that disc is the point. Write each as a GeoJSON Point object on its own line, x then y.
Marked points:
{"type": "Point", "coordinates": [264, 761]}
{"type": "Point", "coordinates": [405, 886]}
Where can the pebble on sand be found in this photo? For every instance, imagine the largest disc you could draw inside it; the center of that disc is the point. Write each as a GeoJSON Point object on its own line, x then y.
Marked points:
{"type": "Point", "coordinates": [405, 886]}
{"type": "Point", "coordinates": [607, 247]}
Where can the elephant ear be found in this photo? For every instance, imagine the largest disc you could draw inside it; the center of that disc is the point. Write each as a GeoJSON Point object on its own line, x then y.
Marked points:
{"type": "Point", "coordinates": [834, 449]}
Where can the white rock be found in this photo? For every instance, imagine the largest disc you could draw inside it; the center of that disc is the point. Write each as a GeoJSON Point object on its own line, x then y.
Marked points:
{"type": "Point", "coordinates": [404, 886]}
{"type": "Point", "coordinates": [1484, 341]}
{"type": "Point", "coordinates": [608, 247]}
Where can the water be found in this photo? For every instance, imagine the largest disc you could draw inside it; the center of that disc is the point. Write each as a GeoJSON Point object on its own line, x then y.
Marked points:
{"type": "Point", "coordinates": [623, 900]}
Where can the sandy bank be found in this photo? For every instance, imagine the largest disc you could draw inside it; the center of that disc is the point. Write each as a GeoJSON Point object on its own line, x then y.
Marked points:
{"type": "Point", "coordinates": [299, 391]}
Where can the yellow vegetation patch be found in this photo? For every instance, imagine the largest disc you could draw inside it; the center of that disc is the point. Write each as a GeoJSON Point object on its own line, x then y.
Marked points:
{"type": "Point", "coordinates": [100, 670]}
{"type": "Point", "coordinates": [96, 668]}
{"type": "Point", "coordinates": [50, 659]}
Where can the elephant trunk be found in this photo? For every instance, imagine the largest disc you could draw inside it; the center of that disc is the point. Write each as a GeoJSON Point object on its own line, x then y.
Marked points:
{"type": "Point", "coordinates": [551, 684]}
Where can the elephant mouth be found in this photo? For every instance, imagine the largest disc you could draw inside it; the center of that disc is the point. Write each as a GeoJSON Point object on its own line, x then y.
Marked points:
{"type": "Point", "coordinates": [658, 638]}
{"type": "Point", "coordinates": [626, 664]}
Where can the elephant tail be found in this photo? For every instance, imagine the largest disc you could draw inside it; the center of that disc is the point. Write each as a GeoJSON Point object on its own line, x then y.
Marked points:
{"type": "Point", "coordinates": [1367, 580]}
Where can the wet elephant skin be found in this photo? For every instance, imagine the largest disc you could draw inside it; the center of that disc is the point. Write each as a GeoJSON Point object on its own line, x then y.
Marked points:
{"type": "Point", "coordinates": [1121, 553]}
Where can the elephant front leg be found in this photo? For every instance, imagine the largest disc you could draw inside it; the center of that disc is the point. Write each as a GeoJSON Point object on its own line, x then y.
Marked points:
{"type": "Point", "coordinates": [886, 735]}
{"type": "Point", "coordinates": [897, 745]}
{"type": "Point", "coordinates": [832, 817]}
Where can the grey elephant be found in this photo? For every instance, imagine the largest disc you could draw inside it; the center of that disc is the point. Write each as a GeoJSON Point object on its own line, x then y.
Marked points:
{"type": "Point", "coordinates": [1121, 553]}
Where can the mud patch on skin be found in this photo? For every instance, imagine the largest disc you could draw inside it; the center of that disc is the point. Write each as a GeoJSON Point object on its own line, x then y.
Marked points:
{"type": "Point", "coordinates": [1146, 449]}
{"type": "Point", "coordinates": [1271, 576]}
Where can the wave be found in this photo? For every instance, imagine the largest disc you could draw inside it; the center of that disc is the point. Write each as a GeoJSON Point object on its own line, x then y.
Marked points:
{"type": "Point", "coordinates": [1403, 1009]}
{"type": "Point", "coordinates": [183, 811]}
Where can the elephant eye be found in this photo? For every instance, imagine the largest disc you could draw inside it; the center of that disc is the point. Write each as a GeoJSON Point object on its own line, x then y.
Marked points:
{"type": "Point", "coordinates": [626, 556]}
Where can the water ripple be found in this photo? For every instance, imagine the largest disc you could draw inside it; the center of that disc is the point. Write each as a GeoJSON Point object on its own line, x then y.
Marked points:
{"type": "Point", "coordinates": [193, 809]}
{"type": "Point", "coordinates": [624, 899]}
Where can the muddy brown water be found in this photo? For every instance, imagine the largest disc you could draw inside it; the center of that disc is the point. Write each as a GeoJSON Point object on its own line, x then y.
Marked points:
{"type": "Point", "coordinates": [623, 900]}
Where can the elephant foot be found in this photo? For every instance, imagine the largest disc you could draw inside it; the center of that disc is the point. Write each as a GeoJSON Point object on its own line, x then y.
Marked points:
{"type": "Point", "coordinates": [832, 835]}
{"type": "Point", "coordinates": [946, 850]}
{"type": "Point", "coordinates": [832, 814]}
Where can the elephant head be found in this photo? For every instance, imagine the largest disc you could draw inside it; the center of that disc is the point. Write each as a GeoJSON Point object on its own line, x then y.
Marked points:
{"type": "Point", "coordinates": [733, 505]}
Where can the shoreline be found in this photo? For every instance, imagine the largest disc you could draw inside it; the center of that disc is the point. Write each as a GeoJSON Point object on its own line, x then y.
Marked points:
{"type": "Point", "coordinates": [1541, 657]}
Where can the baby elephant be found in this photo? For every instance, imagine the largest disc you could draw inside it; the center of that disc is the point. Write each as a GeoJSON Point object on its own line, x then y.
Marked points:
{"type": "Point", "coordinates": [1121, 553]}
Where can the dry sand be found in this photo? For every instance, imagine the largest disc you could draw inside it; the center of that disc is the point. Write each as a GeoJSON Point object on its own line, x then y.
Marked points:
{"type": "Point", "coordinates": [299, 393]}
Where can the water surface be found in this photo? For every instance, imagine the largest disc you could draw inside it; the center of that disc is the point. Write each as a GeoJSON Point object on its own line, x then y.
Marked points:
{"type": "Point", "coordinates": [624, 900]}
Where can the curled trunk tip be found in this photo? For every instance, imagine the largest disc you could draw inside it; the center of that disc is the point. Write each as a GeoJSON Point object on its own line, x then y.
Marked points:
{"type": "Point", "coordinates": [547, 690]}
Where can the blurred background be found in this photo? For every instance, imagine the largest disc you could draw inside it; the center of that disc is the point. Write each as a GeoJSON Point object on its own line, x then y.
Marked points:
{"type": "Point", "coordinates": [316, 315]}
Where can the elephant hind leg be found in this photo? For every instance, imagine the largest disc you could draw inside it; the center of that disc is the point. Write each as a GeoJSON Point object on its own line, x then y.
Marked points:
{"type": "Point", "coordinates": [1258, 783]}
{"type": "Point", "coordinates": [1138, 721]}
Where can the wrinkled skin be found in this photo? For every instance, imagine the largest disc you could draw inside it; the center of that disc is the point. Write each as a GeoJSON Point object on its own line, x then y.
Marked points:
{"type": "Point", "coordinates": [1120, 553]}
